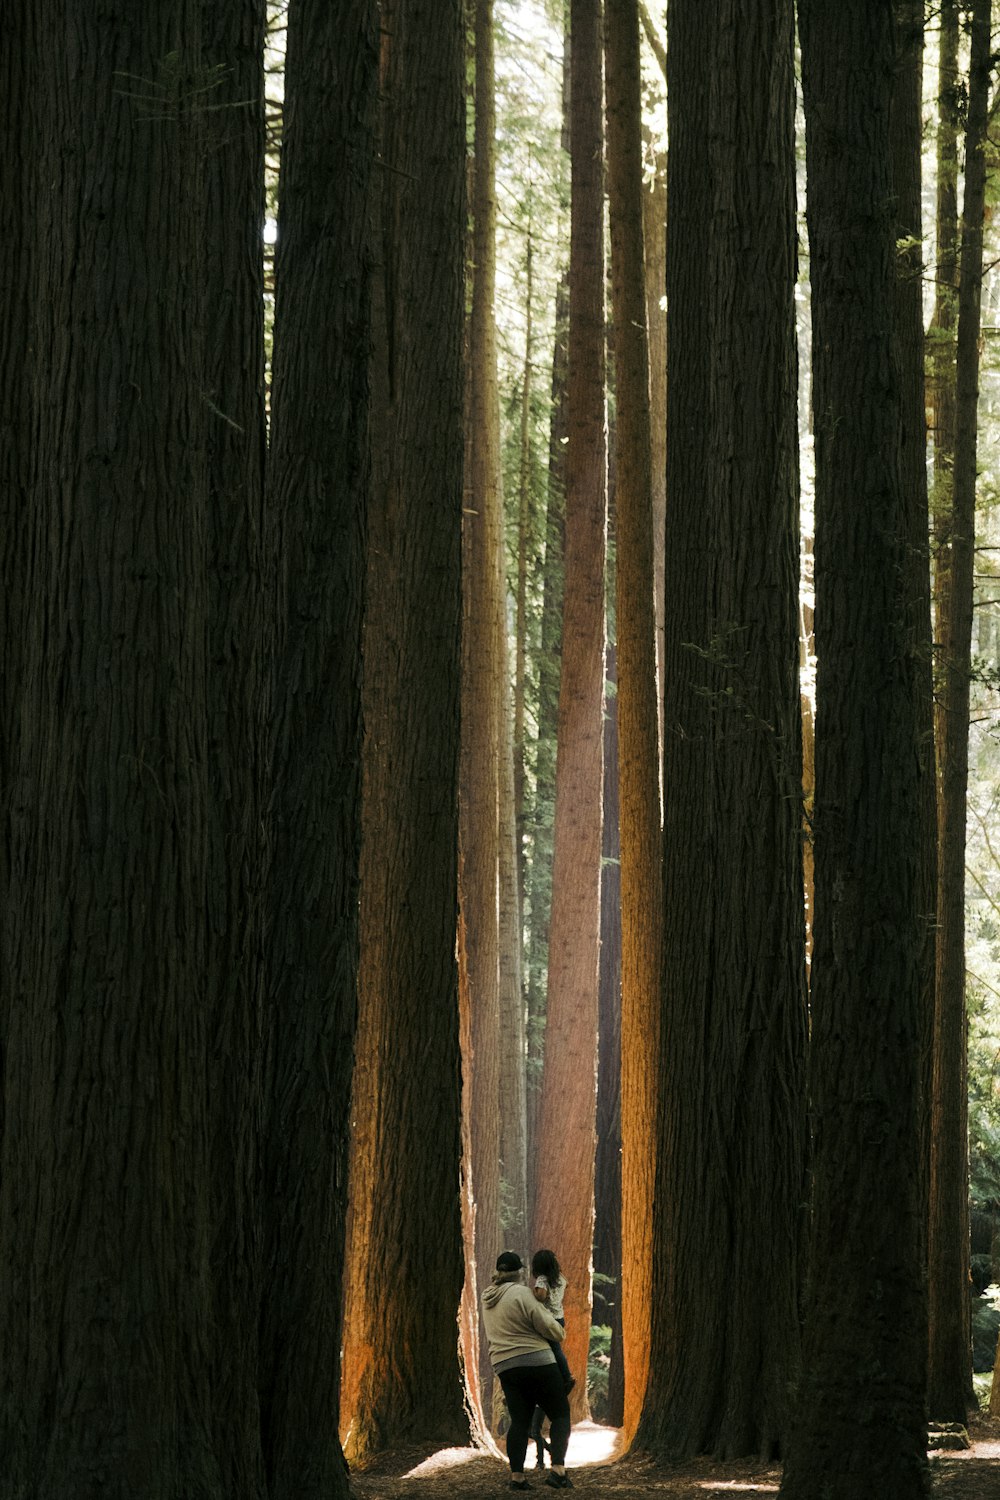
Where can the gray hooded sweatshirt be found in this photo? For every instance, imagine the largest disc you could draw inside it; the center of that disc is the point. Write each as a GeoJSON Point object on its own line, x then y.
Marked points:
{"type": "Point", "coordinates": [519, 1328]}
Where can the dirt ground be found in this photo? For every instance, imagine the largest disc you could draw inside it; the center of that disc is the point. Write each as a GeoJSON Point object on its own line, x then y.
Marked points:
{"type": "Point", "coordinates": [465, 1472]}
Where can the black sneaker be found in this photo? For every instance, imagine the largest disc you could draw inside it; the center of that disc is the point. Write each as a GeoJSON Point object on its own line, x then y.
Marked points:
{"type": "Point", "coordinates": [558, 1481]}
{"type": "Point", "coordinates": [520, 1484]}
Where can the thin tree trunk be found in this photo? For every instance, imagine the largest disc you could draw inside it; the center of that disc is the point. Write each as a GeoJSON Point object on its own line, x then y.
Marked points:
{"type": "Point", "coordinates": [641, 901]}
{"type": "Point", "coordinates": [549, 671]}
{"type": "Point", "coordinates": [941, 334]}
{"type": "Point", "coordinates": [563, 1214]}
{"type": "Point", "coordinates": [318, 487]}
{"type": "Point", "coordinates": [729, 1174]}
{"type": "Point", "coordinates": [483, 665]}
{"type": "Point", "coordinates": [241, 625]}
{"type": "Point", "coordinates": [521, 592]}
{"type": "Point", "coordinates": [654, 238]}
{"type": "Point", "coordinates": [863, 1335]}
{"type": "Point", "coordinates": [950, 1355]}
{"type": "Point", "coordinates": [106, 1385]}
{"type": "Point", "coordinates": [608, 1162]}
{"type": "Point", "coordinates": [402, 1379]}
{"type": "Point", "coordinates": [905, 124]}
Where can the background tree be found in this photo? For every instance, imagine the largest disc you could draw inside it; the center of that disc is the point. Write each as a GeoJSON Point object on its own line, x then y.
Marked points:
{"type": "Point", "coordinates": [104, 1176]}
{"type": "Point", "coordinates": [563, 1212]}
{"type": "Point", "coordinates": [319, 484]}
{"type": "Point", "coordinates": [950, 1353]}
{"type": "Point", "coordinates": [402, 1380]}
{"type": "Point", "coordinates": [730, 1139]}
{"type": "Point", "coordinates": [641, 909]}
{"type": "Point", "coordinates": [864, 1341]}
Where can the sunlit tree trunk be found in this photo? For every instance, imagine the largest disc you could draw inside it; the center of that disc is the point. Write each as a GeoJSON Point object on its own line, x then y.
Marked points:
{"type": "Point", "coordinates": [863, 1335]}
{"type": "Point", "coordinates": [401, 1372]}
{"type": "Point", "coordinates": [608, 1161]}
{"type": "Point", "coordinates": [539, 888]}
{"type": "Point", "coordinates": [730, 1145]}
{"type": "Point", "coordinates": [318, 495]}
{"type": "Point", "coordinates": [106, 1384]}
{"type": "Point", "coordinates": [564, 1193]}
{"type": "Point", "coordinates": [641, 906]}
{"type": "Point", "coordinates": [950, 1354]}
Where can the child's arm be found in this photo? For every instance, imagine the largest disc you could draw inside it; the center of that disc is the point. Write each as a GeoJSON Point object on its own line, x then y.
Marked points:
{"type": "Point", "coordinates": [541, 1288]}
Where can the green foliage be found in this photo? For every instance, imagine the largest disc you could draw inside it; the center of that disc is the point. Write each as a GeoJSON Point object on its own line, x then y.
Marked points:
{"type": "Point", "coordinates": [598, 1367]}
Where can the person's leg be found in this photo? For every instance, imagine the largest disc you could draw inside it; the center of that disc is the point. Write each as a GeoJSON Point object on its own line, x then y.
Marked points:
{"type": "Point", "coordinates": [518, 1389]}
{"type": "Point", "coordinates": [537, 1422]}
{"type": "Point", "coordinates": [550, 1393]}
{"type": "Point", "coordinates": [568, 1380]}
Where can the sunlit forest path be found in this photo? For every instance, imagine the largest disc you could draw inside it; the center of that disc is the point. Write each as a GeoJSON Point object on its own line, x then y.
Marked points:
{"type": "Point", "coordinates": [970, 1475]}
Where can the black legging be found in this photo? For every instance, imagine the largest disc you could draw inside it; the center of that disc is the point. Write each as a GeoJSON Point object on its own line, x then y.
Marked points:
{"type": "Point", "coordinates": [528, 1386]}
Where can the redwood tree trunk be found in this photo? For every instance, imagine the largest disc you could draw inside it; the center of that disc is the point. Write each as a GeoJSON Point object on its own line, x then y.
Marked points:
{"type": "Point", "coordinates": [241, 642]}
{"type": "Point", "coordinates": [730, 1144]}
{"type": "Point", "coordinates": [950, 1350]}
{"type": "Point", "coordinates": [563, 1214]}
{"type": "Point", "coordinates": [319, 485]}
{"type": "Point", "coordinates": [905, 122]}
{"type": "Point", "coordinates": [402, 1381]}
{"type": "Point", "coordinates": [863, 1336]}
{"type": "Point", "coordinates": [641, 900]}
{"type": "Point", "coordinates": [106, 1385]}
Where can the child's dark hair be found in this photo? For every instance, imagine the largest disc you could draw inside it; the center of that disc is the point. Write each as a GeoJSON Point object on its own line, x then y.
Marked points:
{"type": "Point", "coordinates": [544, 1263]}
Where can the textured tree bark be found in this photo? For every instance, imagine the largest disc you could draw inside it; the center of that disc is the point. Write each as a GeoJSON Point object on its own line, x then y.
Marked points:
{"type": "Point", "coordinates": [483, 658]}
{"type": "Point", "coordinates": [106, 1381]}
{"type": "Point", "coordinates": [608, 1161]}
{"type": "Point", "coordinates": [319, 486]}
{"type": "Point", "coordinates": [950, 1350]}
{"type": "Point", "coordinates": [654, 238]}
{"type": "Point", "coordinates": [539, 890]}
{"type": "Point", "coordinates": [563, 1214]}
{"type": "Point", "coordinates": [241, 645]}
{"type": "Point", "coordinates": [863, 1334]}
{"type": "Point", "coordinates": [730, 1143]}
{"type": "Point", "coordinates": [905, 124]}
{"type": "Point", "coordinates": [402, 1380]}
{"type": "Point", "coordinates": [639, 760]}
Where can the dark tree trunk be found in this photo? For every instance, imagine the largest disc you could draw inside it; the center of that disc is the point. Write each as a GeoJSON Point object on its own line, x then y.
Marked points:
{"type": "Point", "coordinates": [729, 1175]}
{"type": "Point", "coordinates": [905, 124]}
{"type": "Point", "coordinates": [402, 1380]}
{"type": "Point", "coordinates": [107, 1375]}
{"type": "Point", "coordinates": [864, 1336]}
{"type": "Point", "coordinates": [563, 1214]}
{"type": "Point", "coordinates": [240, 624]}
{"type": "Point", "coordinates": [641, 898]}
{"type": "Point", "coordinates": [318, 485]}
{"type": "Point", "coordinates": [950, 1351]}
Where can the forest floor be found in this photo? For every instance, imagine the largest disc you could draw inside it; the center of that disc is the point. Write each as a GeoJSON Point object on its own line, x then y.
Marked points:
{"type": "Point", "coordinates": [973, 1474]}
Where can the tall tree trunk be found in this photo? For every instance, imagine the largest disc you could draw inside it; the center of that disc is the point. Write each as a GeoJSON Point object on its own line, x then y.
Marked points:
{"type": "Point", "coordinates": [950, 1353]}
{"type": "Point", "coordinates": [524, 533]}
{"type": "Point", "coordinates": [941, 334]}
{"type": "Point", "coordinates": [654, 239]}
{"type": "Point", "coordinates": [318, 484]}
{"type": "Point", "coordinates": [905, 125]}
{"type": "Point", "coordinates": [608, 1161]}
{"type": "Point", "coordinates": [641, 900]}
{"type": "Point", "coordinates": [729, 1174]}
{"type": "Point", "coordinates": [563, 1215]}
{"type": "Point", "coordinates": [240, 624]}
{"type": "Point", "coordinates": [107, 1379]}
{"type": "Point", "coordinates": [863, 1336]}
{"type": "Point", "coordinates": [402, 1377]}
{"type": "Point", "coordinates": [549, 671]}
{"type": "Point", "coordinates": [484, 740]}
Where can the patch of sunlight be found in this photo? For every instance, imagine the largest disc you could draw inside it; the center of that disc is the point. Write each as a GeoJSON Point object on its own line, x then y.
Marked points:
{"type": "Point", "coordinates": [730, 1486]}
{"type": "Point", "coordinates": [588, 1444]}
{"type": "Point", "coordinates": [445, 1458]}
